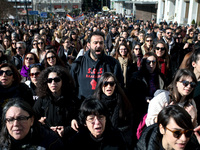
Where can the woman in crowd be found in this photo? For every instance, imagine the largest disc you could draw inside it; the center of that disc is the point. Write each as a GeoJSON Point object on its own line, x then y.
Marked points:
{"type": "Point", "coordinates": [124, 56]}
{"type": "Point", "coordinates": [13, 47]}
{"type": "Point", "coordinates": [118, 41]}
{"type": "Point", "coordinates": [137, 55]}
{"type": "Point", "coordinates": [40, 52]}
{"type": "Point", "coordinates": [7, 46]}
{"type": "Point", "coordinates": [29, 58]}
{"type": "Point", "coordinates": [52, 59]}
{"type": "Point", "coordinates": [75, 41]}
{"type": "Point", "coordinates": [180, 92]}
{"type": "Point", "coordinates": [148, 45]}
{"type": "Point", "coordinates": [34, 72]}
{"type": "Point", "coordinates": [96, 130]}
{"type": "Point", "coordinates": [55, 106]}
{"type": "Point", "coordinates": [11, 87]}
{"type": "Point", "coordinates": [20, 130]}
{"type": "Point", "coordinates": [161, 51]}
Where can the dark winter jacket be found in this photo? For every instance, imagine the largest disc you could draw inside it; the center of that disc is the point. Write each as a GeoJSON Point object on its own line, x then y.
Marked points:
{"type": "Point", "coordinates": [151, 139]}
{"type": "Point", "coordinates": [111, 140]}
{"type": "Point", "coordinates": [86, 72]}
{"type": "Point", "coordinates": [38, 138]}
{"type": "Point", "coordinates": [58, 111]}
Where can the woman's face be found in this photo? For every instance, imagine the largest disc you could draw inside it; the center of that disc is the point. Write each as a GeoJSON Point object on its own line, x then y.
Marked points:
{"type": "Point", "coordinates": [123, 50]}
{"type": "Point", "coordinates": [121, 40]}
{"type": "Point", "coordinates": [108, 87]}
{"type": "Point", "coordinates": [41, 44]}
{"type": "Point", "coordinates": [66, 44]}
{"type": "Point", "coordinates": [96, 124]}
{"type": "Point", "coordinates": [54, 83]}
{"type": "Point", "coordinates": [35, 44]}
{"type": "Point", "coordinates": [34, 73]}
{"type": "Point", "coordinates": [6, 43]}
{"type": "Point", "coordinates": [14, 44]}
{"type": "Point", "coordinates": [160, 50]}
{"type": "Point", "coordinates": [20, 126]}
{"type": "Point", "coordinates": [51, 59]}
{"type": "Point", "coordinates": [6, 77]}
{"type": "Point", "coordinates": [74, 36]}
{"type": "Point", "coordinates": [137, 50]}
{"type": "Point", "coordinates": [29, 60]}
{"type": "Point", "coordinates": [151, 64]}
{"type": "Point", "coordinates": [184, 85]}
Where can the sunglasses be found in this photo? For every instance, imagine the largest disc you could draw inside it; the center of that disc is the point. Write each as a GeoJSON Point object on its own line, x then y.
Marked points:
{"type": "Point", "coordinates": [40, 43]}
{"type": "Point", "coordinates": [111, 83]}
{"type": "Point", "coordinates": [7, 72]}
{"type": "Point", "coordinates": [29, 58]}
{"type": "Point", "coordinates": [186, 83]}
{"type": "Point", "coordinates": [149, 62]}
{"type": "Point", "coordinates": [34, 74]}
{"type": "Point", "coordinates": [160, 48]}
{"type": "Point", "coordinates": [34, 43]}
{"type": "Point", "coordinates": [149, 40]}
{"type": "Point", "coordinates": [177, 133]}
{"type": "Point", "coordinates": [48, 58]}
{"type": "Point", "coordinates": [137, 48]}
{"type": "Point", "coordinates": [56, 79]}
{"type": "Point", "coordinates": [169, 32]}
{"type": "Point", "coordinates": [18, 47]}
{"type": "Point", "coordinates": [13, 43]}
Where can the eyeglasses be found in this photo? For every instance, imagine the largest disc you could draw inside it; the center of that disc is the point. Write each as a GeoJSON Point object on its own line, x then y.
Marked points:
{"type": "Point", "coordinates": [169, 32]}
{"type": "Point", "coordinates": [94, 118]}
{"type": "Point", "coordinates": [48, 58]}
{"type": "Point", "coordinates": [149, 62]}
{"type": "Point", "coordinates": [137, 48]}
{"type": "Point", "coordinates": [18, 47]}
{"type": "Point", "coordinates": [177, 133]}
{"type": "Point", "coordinates": [111, 83]}
{"type": "Point", "coordinates": [34, 74]}
{"type": "Point", "coordinates": [186, 83]}
{"type": "Point", "coordinates": [40, 43]}
{"type": "Point", "coordinates": [149, 40]}
{"type": "Point", "coordinates": [160, 48]}
{"type": "Point", "coordinates": [29, 58]}
{"type": "Point", "coordinates": [56, 79]}
{"type": "Point", "coordinates": [7, 72]}
{"type": "Point", "coordinates": [20, 119]}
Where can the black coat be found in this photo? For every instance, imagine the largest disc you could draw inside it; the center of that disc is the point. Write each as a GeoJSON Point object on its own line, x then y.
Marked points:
{"type": "Point", "coordinates": [151, 139]}
{"type": "Point", "coordinates": [112, 140]}
{"type": "Point", "coordinates": [58, 112]}
{"type": "Point", "coordinates": [38, 138]}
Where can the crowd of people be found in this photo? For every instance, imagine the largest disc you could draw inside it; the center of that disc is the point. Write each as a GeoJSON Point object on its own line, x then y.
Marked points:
{"type": "Point", "coordinates": [111, 83]}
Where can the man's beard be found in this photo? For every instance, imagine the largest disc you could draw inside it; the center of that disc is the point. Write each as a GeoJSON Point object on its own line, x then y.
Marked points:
{"type": "Point", "coordinates": [95, 55]}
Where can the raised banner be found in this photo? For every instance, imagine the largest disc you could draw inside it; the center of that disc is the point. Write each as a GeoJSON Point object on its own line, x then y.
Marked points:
{"type": "Point", "coordinates": [78, 18]}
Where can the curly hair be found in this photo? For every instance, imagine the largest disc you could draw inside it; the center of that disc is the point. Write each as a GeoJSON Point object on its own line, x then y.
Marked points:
{"type": "Point", "coordinates": [67, 87]}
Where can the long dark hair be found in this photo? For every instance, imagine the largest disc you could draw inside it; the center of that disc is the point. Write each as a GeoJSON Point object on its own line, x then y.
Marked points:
{"type": "Point", "coordinates": [67, 82]}
{"type": "Point", "coordinates": [175, 96]}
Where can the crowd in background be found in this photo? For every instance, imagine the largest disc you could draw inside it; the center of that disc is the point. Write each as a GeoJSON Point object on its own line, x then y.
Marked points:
{"type": "Point", "coordinates": [62, 69]}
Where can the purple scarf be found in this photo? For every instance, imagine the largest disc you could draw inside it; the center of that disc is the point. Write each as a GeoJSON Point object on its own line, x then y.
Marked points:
{"type": "Point", "coordinates": [24, 71]}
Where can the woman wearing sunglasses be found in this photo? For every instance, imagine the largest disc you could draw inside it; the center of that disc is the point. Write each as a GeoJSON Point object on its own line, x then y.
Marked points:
{"type": "Point", "coordinates": [51, 59]}
{"type": "Point", "coordinates": [161, 51]}
{"type": "Point", "coordinates": [29, 58]}
{"type": "Point", "coordinates": [180, 92]}
{"type": "Point", "coordinates": [96, 131]}
{"type": "Point", "coordinates": [55, 105]}
{"type": "Point", "coordinates": [40, 51]}
{"type": "Point", "coordinates": [34, 72]}
{"type": "Point", "coordinates": [11, 86]}
{"type": "Point", "coordinates": [109, 92]}
{"type": "Point", "coordinates": [174, 130]}
{"type": "Point", "coordinates": [137, 55]}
